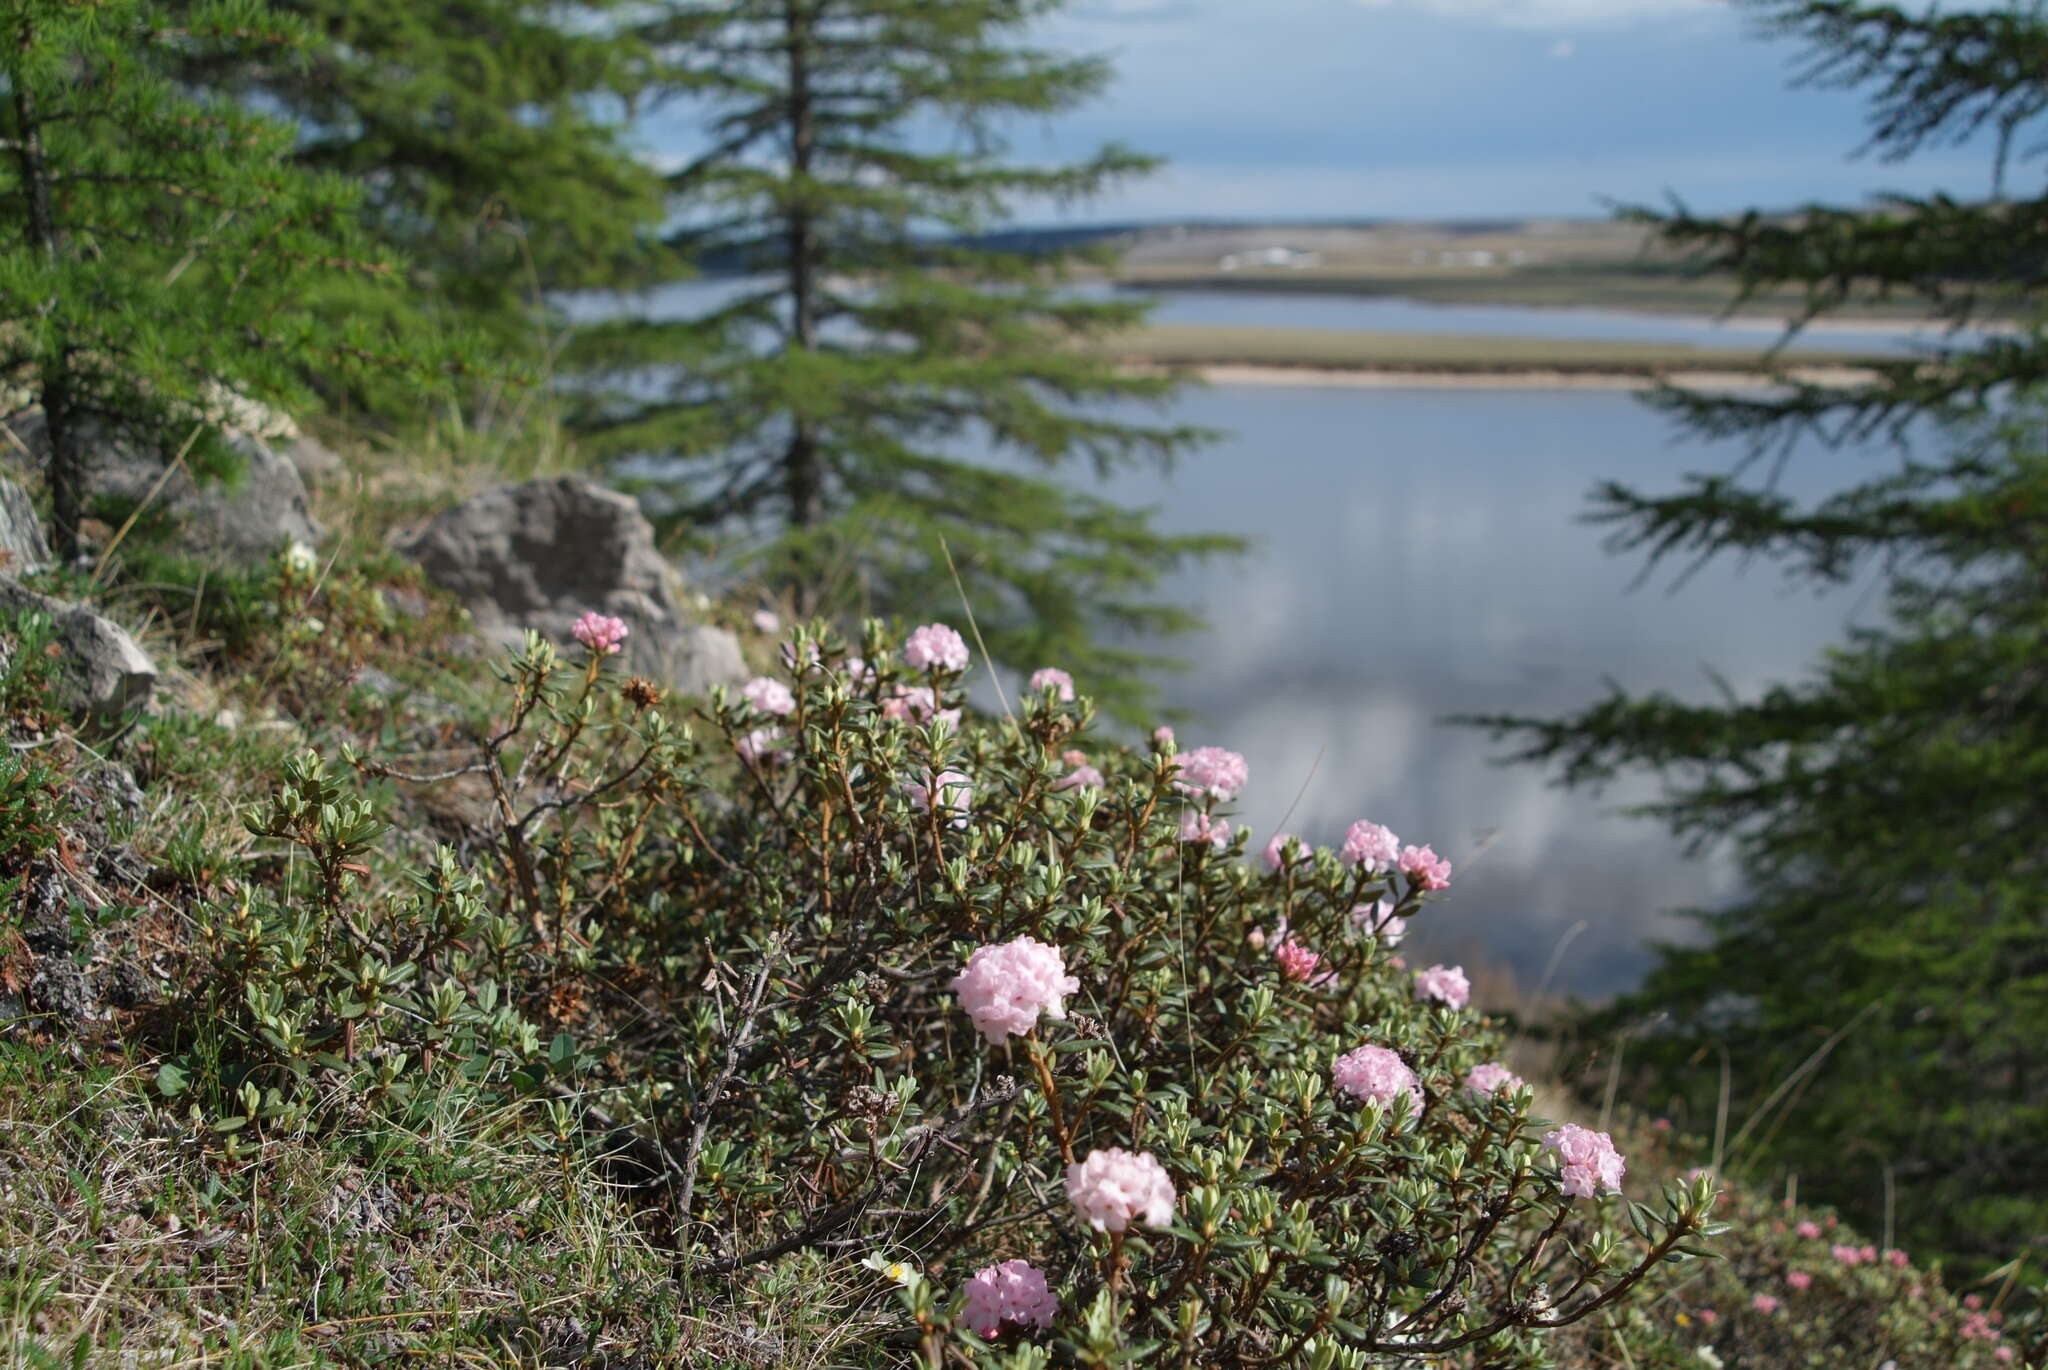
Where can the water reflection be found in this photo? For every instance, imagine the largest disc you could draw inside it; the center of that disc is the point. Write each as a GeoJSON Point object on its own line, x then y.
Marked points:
{"type": "Point", "coordinates": [1421, 553]}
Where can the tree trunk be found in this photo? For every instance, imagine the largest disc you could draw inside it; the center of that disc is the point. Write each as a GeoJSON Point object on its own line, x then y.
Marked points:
{"type": "Point", "coordinates": [803, 477]}
{"type": "Point", "coordinates": [59, 410]}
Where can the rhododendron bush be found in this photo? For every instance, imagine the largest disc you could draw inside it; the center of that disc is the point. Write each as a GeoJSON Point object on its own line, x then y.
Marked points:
{"type": "Point", "coordinates": [1057, 1071]}
{"type": "Point", "coordinates": [1788, 1292]}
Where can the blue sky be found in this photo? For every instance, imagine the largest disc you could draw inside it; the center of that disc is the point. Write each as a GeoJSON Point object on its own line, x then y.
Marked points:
{"type": "Point", "coordinates": [1369, 108]}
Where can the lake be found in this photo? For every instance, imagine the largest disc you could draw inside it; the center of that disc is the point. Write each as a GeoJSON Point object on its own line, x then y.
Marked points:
{"type": "Point", "coordinates": [1421, 552]}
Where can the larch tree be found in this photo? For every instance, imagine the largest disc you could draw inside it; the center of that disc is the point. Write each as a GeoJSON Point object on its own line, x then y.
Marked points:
{"type": "Point", "coordinates": [158, 251]}
{"type": "Point", "coordinates": [887, 399]}
{"type": "Point", "coordinates": [491, 143]}
{"type": "Point", "coordinates": [1878, 995]}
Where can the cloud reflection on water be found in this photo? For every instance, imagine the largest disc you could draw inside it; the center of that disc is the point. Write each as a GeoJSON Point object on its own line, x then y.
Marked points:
{"type": "Point", "coordinates": [1420, 554]}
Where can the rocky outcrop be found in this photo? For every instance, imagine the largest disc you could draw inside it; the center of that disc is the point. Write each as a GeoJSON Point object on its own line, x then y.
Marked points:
{"type": "Point", "coordinates": [540, 554]}
{"type": "Point", "coordinates": [101, 669]}
{"type": "Point", "coordinates": [23, 547]}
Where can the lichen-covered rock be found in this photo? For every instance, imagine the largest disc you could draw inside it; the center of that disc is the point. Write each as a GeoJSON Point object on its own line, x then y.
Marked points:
{"type": "Point", "coordinates": [541, 554]}
{"type": "Point", "coordinates": [102, 669]}
{"type": "Point", "coordinates": [23, 547]}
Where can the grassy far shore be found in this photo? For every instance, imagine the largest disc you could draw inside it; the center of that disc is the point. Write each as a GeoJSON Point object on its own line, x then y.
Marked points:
{"type": "Point", "coordinates": [1586, 275]}
{"type": "Point", "coordinates": [1215, 346]}
{"type": "Point", "coordinates": [1653, 292]}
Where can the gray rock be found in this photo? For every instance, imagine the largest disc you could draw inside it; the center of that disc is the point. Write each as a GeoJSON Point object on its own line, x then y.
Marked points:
{"type": "Point", "coordinates": [241, 520]}
{"type": "Point", "coordinates": [22, 545]}
{"type": "Point", "coordinates": [539, 555]}
{"type": "Point", "coordinates": [702, 656]}
{"type": "Point", "coordinates": [103, 670]}
{"type": "Point", "coordinates": [313, 459]}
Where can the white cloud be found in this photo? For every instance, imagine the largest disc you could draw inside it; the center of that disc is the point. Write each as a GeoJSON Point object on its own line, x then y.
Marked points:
{"type": "Point", "coordinates": [1548, 13]}
{"type": "Point", "coordinates": [1564, 48]}
{"type": "Point", "coordinates": [1122, 11]}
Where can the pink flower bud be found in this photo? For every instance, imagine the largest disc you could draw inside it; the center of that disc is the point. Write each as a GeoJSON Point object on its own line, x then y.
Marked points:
{"type": "Point", "coordinates": [601, 633]}
{"type": "Point", "coordinates": [1053, 678]}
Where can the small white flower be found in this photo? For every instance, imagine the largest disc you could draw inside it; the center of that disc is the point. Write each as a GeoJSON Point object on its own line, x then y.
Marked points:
{"type": "Point", "coordinates": [301, 558]}
{"type": "Point", "coordinates": [1707, 1355]}
{"type": "Point", "coordinates": [896, 1272]}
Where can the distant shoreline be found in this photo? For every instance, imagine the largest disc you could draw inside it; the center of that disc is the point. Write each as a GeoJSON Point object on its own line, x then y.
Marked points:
{"type": "Point", "coordinates": [1702, 300]}
{"type": "Point", "coordinates": [1532, 378]}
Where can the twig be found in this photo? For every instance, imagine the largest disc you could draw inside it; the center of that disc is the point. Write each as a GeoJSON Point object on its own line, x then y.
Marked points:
{"type": "Point", "coordinates": [700, 1120]}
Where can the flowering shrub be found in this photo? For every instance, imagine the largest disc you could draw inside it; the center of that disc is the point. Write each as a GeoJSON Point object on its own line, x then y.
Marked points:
{"type": "Point", "coordinates": [1803, 1293]}
{"type": "Point", "coordinates": [836, 972]}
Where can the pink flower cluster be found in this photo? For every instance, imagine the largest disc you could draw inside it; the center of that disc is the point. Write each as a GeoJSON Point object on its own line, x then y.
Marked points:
{"type": "Point", "coordinates": [1286, 850]}
{"type": "Point", "coordinates": [601, 633]}
{"type": "Point", "coordinates": [1196, 826]}
{"type": "Point", "coordinates": [1006, 987]}
{"type": "Point", "coordinates": [1808, 1229]}
{"type": "Point", "coordinates": [1379, 920]}
{"type": "Point", "coordinates": [762, 746]}
{"type": "Point", "coordinates": [1425, 868]}
{"type": "Point", "coordinates": [769, 695]}
{"type": "Point", "coordinates": [1013, 1292]}
{"type": "Point", "coordinates": [1113, 1188]}
{"type": "Point", "coordinates": [1491, 1078]}
{"type": "Point", "coordinates": [935, 647]}
{"type": "Point", "coordinates": [1053, 678]}
{"type": "Point", "coordinates": [949, 791]}
{"type": "Point", "coordinates": [1853, 1255]}
{"type": "Point", "coordinates": [1445, 985]}
{"type": "Point", "coordinates": [1798, 1279]}
{"type": "Point", "coordinates": [1212, 772]}
{"type": "Point", "coordinates": [1765, 1304]}
{"type": "Point", "coordinates": [1370, 847]}
{"type": "Point", "coordinates": [1590, 1161]}
{"type": "Point", "coordinates": [1981, 1327]}
{"type": "Point", "coordinates": [1081, 777]}
{"type": "Point", "coordinates": [917, 704]}
{"type": "Point", "coordinates": [1299, 964]}
{"type": "Point", "coordinates": [1375, 1075]}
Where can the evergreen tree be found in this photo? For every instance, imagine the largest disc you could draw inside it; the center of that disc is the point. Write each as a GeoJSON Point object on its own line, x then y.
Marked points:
{"type": "Point", "coordinates": [884, 390]}
{"type": "Point", "coordinates": [1881, 989]}
{"type": "Point", "coordinates": [157, 251]}
{"type": "Point", "coordinates": [489, 141]}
